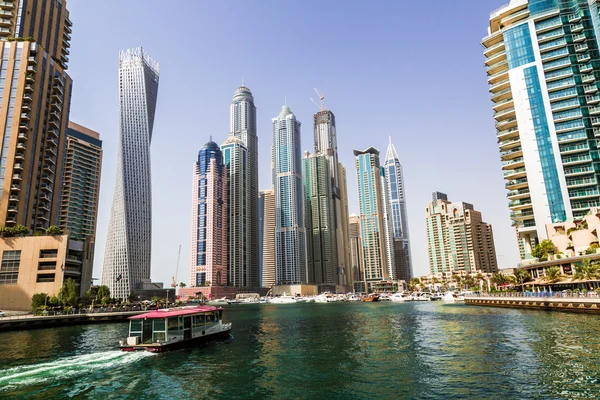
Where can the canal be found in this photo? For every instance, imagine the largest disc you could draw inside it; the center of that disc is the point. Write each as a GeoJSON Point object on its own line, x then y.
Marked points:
{"type": "Point", "coordinates": [425, 350]}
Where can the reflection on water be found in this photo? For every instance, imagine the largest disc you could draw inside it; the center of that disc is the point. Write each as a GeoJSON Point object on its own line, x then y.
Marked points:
{"type": "Point", "coordinates": [333, 351]}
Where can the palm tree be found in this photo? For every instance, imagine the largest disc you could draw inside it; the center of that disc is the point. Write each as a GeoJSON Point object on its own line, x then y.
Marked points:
{"type": "Point", "coordinates": [586, 270]}
{"type": "Point", "coordinates": [499, 279]}
{"type": "Point", "coordinates": [553, 274]}
{"type": "Point", "coordinates": [522, 276]}
{"type": "Point", "coordinates": [182, 285]}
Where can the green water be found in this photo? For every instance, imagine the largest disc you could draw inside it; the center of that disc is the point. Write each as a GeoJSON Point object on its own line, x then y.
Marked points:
{"type": "Point", "coordinates": [323, 351]}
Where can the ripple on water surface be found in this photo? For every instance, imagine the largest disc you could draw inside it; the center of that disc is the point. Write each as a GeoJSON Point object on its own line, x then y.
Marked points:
{"type": "Point", "coordinates": [333, 351]}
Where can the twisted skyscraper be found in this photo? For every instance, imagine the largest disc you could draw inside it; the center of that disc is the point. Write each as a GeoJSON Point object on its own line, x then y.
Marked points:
{"type": "Point", "coordinates": [127, 256]}
{"type": "Point", "coordinates": [244, 222]}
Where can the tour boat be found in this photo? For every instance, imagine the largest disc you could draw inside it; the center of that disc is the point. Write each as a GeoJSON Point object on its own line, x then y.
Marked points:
{"type": "Point", "coordinates": [168, 329]}
{"type": "Point", "coordinates": [284, 299]}
{"type": "Point", "coordinates": [354, 297]}
{"type": "Point", "coordinates": [371, 297]}
{"type": "Point", "coordinates": [325, 298]}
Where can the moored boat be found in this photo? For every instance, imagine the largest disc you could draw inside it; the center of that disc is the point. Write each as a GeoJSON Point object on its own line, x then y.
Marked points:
{"type": "Point", "coordinates": [284, 299]}
{"type": "Point", "coordinates": [168, 329]}
{"type": "Point", "coordinates": [371, 297]}
{"type": "Point", "coordinates": [398, 297]}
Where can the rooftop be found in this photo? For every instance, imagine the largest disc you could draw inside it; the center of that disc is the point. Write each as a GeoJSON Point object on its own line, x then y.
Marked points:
{"type": "Point", "coordinates": [175, 312]}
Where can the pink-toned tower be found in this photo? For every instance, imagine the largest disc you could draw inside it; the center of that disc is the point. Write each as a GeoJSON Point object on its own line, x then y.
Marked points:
{"type": "Point", "coordinates": [208, 266]}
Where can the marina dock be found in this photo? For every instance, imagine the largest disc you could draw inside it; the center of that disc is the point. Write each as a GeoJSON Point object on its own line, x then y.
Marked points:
{"type": "Point", "coordinates": [25, 322]}
{"type": "Point", "coordinates": [549, 302]}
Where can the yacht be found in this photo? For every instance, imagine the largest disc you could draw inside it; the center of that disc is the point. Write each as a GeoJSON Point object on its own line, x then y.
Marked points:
{"type": "Point", "coordinates": [173, 328]}
{"type": "Point", "coordinates": [325, 298]}
{"type": "Point", "coordinates": [353, 297]}
{"type": "Point", "coordinates": [384, 297]}
{"type": "Point", "coordinates": [450, 297]}
{"type": "Point", "coordinates": [398, 298]}
{"type": "Point", "coordinates": [283, 299]}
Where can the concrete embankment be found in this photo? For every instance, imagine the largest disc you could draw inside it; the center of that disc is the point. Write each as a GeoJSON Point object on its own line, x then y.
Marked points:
{"type": "Point", "coordinates": [24, 322]}
{"type": "Point", "coordinates": [568, 304]}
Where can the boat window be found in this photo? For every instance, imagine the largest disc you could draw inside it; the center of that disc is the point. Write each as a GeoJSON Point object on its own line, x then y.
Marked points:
{"type": "Point", "coordinates": [199, 321]}
{"type": "Point", "coordinates": [173, 324]}
{"type": "Point", "coordinates": [210, 317]}
{"type": "Point", "coordinates": [159, 330]}
{"type": "Point", "coordinates": [135, 327]}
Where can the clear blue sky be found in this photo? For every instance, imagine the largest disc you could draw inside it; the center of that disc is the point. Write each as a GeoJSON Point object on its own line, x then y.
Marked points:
{"type": "Point", "coordinates": [410, 69]}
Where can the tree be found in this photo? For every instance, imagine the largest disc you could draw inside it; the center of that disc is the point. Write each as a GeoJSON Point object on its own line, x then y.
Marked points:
{"type": "Point", "coordinates": [592, 249]}
{"type": "Point", "coordinates": [54, 230]}
{"type": "Point", "coordinates": [553, 274]}
{"type": "Point", "coordinates": [543, 249]}
{"type": "Point", "coordinates": [69, 293]}
{"type": "Point", "coordinates": [522, 276]}
{"type": "Point", "coordinates": [586, 270]}
{"type": "Point", "coordinates": [38, 300]}
{"type": "Point", "coordinates": [182, 285]}
{"type": "Point", "coordinates": [103, 291]}
{"type": "Point", "coordinates": [499, 279]}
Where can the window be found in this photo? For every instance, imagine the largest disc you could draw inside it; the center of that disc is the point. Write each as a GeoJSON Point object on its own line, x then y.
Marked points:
{"type": "Point", "coordinates": [45, 278]}
{"type": "Point", "coordinates": [48, 253]}
{"type": "Point", "coordinates": [9, 271]}
{"type": "Point", "coordinates": [46, 265]}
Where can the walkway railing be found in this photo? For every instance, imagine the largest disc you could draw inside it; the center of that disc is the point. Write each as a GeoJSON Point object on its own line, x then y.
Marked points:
{"type": "Point", "coordinates": [82, 312]}
{"type": "Point", "coordinates": [580, 295]}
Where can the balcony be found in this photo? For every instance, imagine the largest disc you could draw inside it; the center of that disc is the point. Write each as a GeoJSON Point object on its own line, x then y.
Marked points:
{"type": "Point", "coordinates": [54, 122]}
{"type": "Point", "coordinates": [518, 215]}
{"type": "Point", "coordinates": [595, 121]}
{"type": "Point", "coordinates": [50, 160]}
{"type": "Point", "coordinates": [5, 31]}
{"type": "Point", "coordinates": [21, 146]}
{"type": "Point", "coordinates": [496, 58]}
{"type": "Point", "coordinates": [25, 116]}
{"type": "Point", "coordinates": [512, 164]}
{"type": "Point", "coordinates": [583, 58]}
{"type": "Point", "coordinates": [65, 41]}
{"type": "Point", "coordinates": [46, 188]}
{"type": "Point", "coordinates": [509, 144]}
{"type": "Point", "coordinates": [15, 188]}
{"type": "Point", "coordinates": [579, 37]}
{"type": "Point", "coordinates": [515, 173]}
{"type": "Point", "coordinates": [18, 167]}
{"type": "Point", "coordinates": [29, 78]}
{"type": "Point", "coordinates": [7, 5]}
{"type": "Point", "coordinates": [53, 133]}
{"type": "Point", "coordinates": [588, 78]}
{"type": "Point", "coordinates": [14, 198]}
{"type": "Point", "coordinates": [47, 178]}
{"type": "Point", "coordinates": [590, 89]}
{"type": "Point", "coordinates": [44, 197]}
{"type": "Point", "coordinates": [48, 168]}
{"type": "Point", "coordinates": [5, 22]}
{"type": "Point", "coordinates": [501, 105]}
{"type": "Point", "coordinates": [576, 28]}
{"type": "Point", "coordinates": [506, 123]}
{"type": "Point", "coordinates": [20, 156]}
{"type": "Point", "coordinates": [494, 49]}
{"type": "Point", "coordinates": [17, 177]}
{"type": "Point", "coordinates": [516, 184]}
{"type": "Point", "coordinates": [495, 68]}
{"type": "Point", "coordinates": [573, 183]}
{"type": "Point", "coordinates": [22, 137]}
{"type": "Point", "coordinates": [11, 220]}
{"type": "Point", "coordinates": [518, 194]}
{"type": "Point", "coordinates": [51, 150]}
{"type": "Point", "coordinates": [13, 209]}
{"type": "Point", "coordinates": [543, 27]}
{"type": "Point", "coordinates": [507, 134]}
{"type": "Point", "coordinates": [26, 107]}
{"type": "Point", "coordinates": [503, 94]}
{"type": "Point", "coordinates": [511, 154]}
{"type": "Point", "coordinates": [594, 99]}
{"type": "Point", "coordinates": [508, 112]}
{"type": "Point", "coordinates": [519, 204]}
{"type": "Point", "coordinates": [31, 68]}
{"type": "Point", "coordinates": [575, 136]}
{"type": "Point", "coordinates": [574, 171]}
{"type": "Point", "coordinates": [44, 206]}
{"type": "Point", "coordinates": [576, 160]}
{"type": "Point", "coordinates": [585, 68]}
{"type": "Point", "coordinates": [43, 217]}
{"type": "Point", "coordinates": [500, 85]}
{"type": "Point", "coordinates": [574, 148]}
{"type": "Point", "coordinates": [582, 194]}
{"type": "Point", "coordinates": [579, 48]}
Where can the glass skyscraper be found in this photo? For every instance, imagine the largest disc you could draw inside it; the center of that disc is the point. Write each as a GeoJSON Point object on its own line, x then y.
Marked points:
{"type": "Point", "coordinates": [290, 233]}
{"type": "Point", "coordinates": [398, 214]}
{"type": "Point", "coordinates": [128, 251]}
{"type": "Point", "coordinates": [209, 219]}
{"type": "Point", "coordinates": [242, 125]}
{"type": "Point", "coordinates": [542, 62]}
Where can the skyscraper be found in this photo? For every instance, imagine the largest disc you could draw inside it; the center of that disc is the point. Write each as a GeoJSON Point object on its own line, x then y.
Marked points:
{"type": "Point", "coordinates": [268, 235]}
{"type": "Point", "coordinates": [398, 214]}
{"type": "Point", "coordinates": [543, 65]}
{"type": "Point", "coordinates": [209, 219]}
{"type": "Point", "coordinates": [356, 253]}
{"type": "Point", "coordinates": [35, 95]}
{"type": "Point", "coordinates": [387, 226]}
{"type": "Point", "coordinates": [373, 239]}
{"type": "Point", "coordinates": [81, 182]}
{"type": "Point", "coordinates": [127, 257]}
{"type": "Point", "coordinates": [458, 239]}
{"type": "Point", "coordinates": [243, 126]}
{"type": "Point", "coordinates": [290, 233]}
{"type": "Point", "coordinates": [321, 248]}
{"type": "Point", "coordinates": [235, 156]}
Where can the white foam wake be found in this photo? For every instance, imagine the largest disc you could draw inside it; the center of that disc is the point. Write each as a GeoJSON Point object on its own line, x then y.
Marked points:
{"type": "Point", "coordinates": [68, 367]}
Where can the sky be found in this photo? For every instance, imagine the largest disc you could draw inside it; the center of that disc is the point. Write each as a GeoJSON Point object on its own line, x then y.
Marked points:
{"type": "Point", "coordinates": [411, 70]}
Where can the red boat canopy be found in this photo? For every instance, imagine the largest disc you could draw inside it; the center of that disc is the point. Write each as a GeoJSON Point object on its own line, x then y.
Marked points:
{"type": "Point", "coordinates": [167, 313]}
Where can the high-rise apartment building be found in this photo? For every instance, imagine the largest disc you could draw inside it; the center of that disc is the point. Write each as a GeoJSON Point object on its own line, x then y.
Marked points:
{"type": "Point", "coordinates": [458, 239]}
{"type": "Point", "coordinates": [243, 126]}
{"type": "Point", "coordinates": [321, 250]}
{"type": "Point", "coordinates": [208, 265]}
{"type": "Point", "coordinates": [398, 214]}
{"type": "Point", "coordinates": [268, 239]}
{"type": "Point", "coordinates": [235, 157]}
{"type": "Point", "coordinates": [127, 257]}
{"type": "Point", "coordinates": [290, 233]}
{"type": "Point", "coordinates": [390, 254]}
{"type": "Point", "coordinates": [543, 64]}
{"type": "Point", "coordinates": [81, 182]}
{"type": "Point", "coordinates": [35, 95]}
{"type": "Point", "coordinates": [325, 144]}
{"type": "Point", "coordinates": [370, 201]}
{"type": "Point", "coordinates": [356, 254]}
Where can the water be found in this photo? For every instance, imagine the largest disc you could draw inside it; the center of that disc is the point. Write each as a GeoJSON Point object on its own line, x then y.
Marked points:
{"type": "Point", "coordinates": [323, 351]}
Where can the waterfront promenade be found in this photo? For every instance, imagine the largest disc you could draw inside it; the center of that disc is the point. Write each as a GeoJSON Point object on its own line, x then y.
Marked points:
{"type": "Point", "coordinates": [95, 316]}
{"type": "Point", "coordinates": [588, 303]}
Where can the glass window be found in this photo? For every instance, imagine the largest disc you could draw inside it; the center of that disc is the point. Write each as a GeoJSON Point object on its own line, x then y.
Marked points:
{"type": "Point", "coordinates": [519, 50]}
{"type": "Point", "coordinates": [9, 270]}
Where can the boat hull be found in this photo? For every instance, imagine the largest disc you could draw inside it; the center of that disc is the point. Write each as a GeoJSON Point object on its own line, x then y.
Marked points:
{"type": "Point", "coordinates": [182, 344]}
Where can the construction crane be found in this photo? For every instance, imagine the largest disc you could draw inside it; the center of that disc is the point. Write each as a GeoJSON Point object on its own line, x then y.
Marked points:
{"type": "Point", "coordinates": [174, 278]}
{"type": "Point", "coordinates": [321, 98]}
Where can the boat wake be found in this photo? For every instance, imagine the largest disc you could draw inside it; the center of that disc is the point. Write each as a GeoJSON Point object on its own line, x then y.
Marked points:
{"type": "Point", "coordinates": [66, 368]}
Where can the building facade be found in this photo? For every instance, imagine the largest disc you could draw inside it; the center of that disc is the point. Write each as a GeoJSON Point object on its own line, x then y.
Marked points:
{"type": "Point", "coordinates": [40, 264]}
{"type": "Point", "coordinates": [127, 256]}
{"type": "Point", "coordinates": [235, 158]}
{"type": "Point", "coordinates": [458, 239]}
{"type": "Point", "coordinates": [373, 238]}
{"type": "Point", "coordinates": [321, 249]}
{"type": "Point", "coordinates": [208, 265]}
{"type": "Point", "coordinates": [81, 183]}
{"type": "Point", "coordinates": [35, 96]}
{"type": "Point", "coordinates": [243, 126]}
{"type": "Point", "coordinates": [543, 63]}
{"type": "Point", "coordinates": [390, 254]}
{"type": "Point", "coordinates": [398, 214]}
{"type": "Point", "coordinates": [268, 268]}
{"type": "Point", "coordinates": [356, 254]}
{"type": "Point", "coordinates": [290, 232]}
